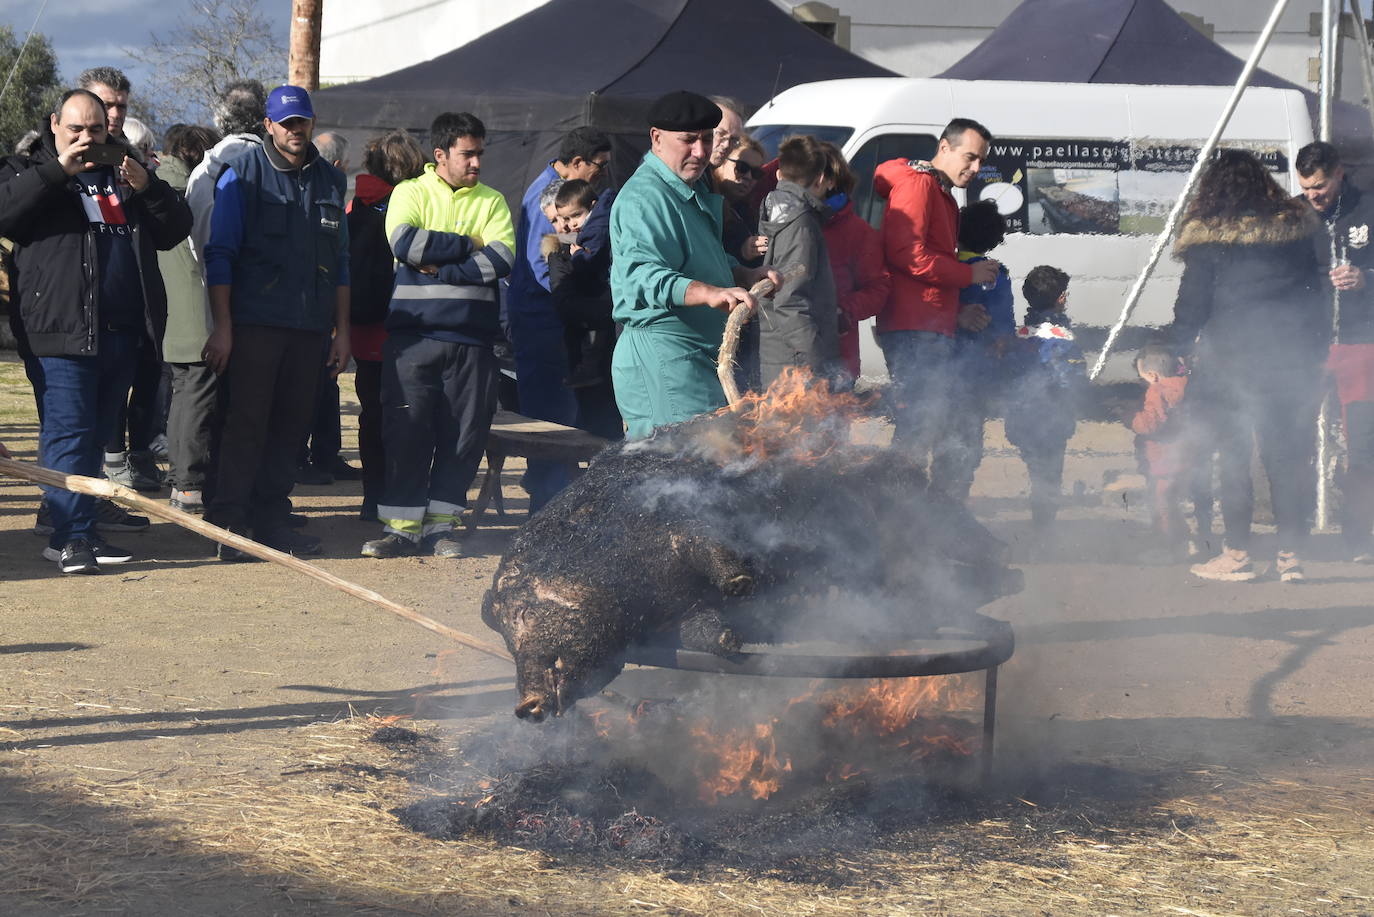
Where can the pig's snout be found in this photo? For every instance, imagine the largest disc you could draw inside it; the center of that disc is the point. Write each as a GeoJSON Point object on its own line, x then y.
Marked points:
{"type": "Point", "coordinates": [532, 707]}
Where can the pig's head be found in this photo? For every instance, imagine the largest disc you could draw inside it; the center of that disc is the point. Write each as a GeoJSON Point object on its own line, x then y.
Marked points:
{"type": "Point", "coordinates": [549, 685]}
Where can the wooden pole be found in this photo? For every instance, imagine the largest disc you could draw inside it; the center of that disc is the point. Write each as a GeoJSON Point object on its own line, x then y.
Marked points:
{"type": "Point", "coordinates": [126, 497]}
{"type": "Point", "coordinates": [303, 65]}
{"type": "Point", "coordinates": [729, 343]}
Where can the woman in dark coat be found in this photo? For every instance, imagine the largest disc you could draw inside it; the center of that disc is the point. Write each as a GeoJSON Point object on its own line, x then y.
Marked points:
{"type": "Point", "coordinates": [1251, 318]}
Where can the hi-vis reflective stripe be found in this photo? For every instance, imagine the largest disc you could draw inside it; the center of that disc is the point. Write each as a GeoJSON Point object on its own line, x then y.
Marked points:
{"type": "Point", "coordinates": [443, 291]}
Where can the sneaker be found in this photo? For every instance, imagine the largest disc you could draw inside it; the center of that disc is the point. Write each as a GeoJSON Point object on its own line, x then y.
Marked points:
{"type": "Point", "coordinates": [443, 544]}
{"type": "Point", "coordinates": [233, 555]}
{"type": "Point", "coordinates": [309, 474]}
{"type": "Point", "coordinates": [42, 523]}
{"type": "Point", "coordinates": [289, 541]}
{"type": "Point", "coordinates": [1363, 557]}
{"type": "Point", "coordinates": [188, 501]}
{"type": "Point", "coordinates": [391, 545]}
{"type": "Point", "coordinates": [144, 472]}
{"type": "Point", "coordinates": [1230, 566]}
{"type": "Point", "coordinates": [76, 556]}
{"type": "Point", "coordinates": [1289, 568]}
{"type": "Point", "coordinates": [111, 517]}
{"type": "Point", "coordinates": [158, 447]}
{"type": "Point", "coordinates": [342, 471]}
{"type": "Point", "coordinates": [117, 469]}
{"type": "Point", "coordinates": [102, 550]}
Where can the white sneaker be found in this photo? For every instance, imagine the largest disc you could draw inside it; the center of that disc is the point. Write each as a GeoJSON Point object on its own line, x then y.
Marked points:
{"type": "Point", "coordinates": [1230, 566]}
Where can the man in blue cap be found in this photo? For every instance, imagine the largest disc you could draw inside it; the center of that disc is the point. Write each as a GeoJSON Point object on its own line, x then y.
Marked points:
{"type": "Point", "coordinates": [277, 271]}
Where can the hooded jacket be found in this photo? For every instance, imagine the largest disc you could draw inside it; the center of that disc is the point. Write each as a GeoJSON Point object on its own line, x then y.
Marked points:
{"type": "Point", "coordinates": [1051, 382]}
{"type": "Point", "coordinates": [862, 283]}
{"type": "Point", "coordinates": [55, 280]}
{"type": "Point", "coordinates": [188, 307]}
{"type": "Point", "coordinates": [799, 326]}
{"type": "Point", "coordinates": [1251, 304]}
{"type": "Point", "coordinates": [921, 245]}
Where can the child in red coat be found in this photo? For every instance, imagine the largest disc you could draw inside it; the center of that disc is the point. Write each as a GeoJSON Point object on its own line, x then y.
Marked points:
{"type": "Point", "coordinates": [1169, 451]}
{"type": "Point", "coordinates": [856, 259]}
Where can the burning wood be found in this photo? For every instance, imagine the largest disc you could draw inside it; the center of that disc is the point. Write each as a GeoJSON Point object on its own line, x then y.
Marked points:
{"type": "Point", "coordinates": [710, 532]}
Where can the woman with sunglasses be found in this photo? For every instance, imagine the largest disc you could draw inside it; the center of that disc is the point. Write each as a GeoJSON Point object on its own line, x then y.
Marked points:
{"type": "Point", "coordinates": [734, 179]}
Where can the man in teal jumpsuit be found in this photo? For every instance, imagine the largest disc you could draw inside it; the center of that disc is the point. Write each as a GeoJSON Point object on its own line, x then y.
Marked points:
{"type": "Point", "coordinates": [672, 283]}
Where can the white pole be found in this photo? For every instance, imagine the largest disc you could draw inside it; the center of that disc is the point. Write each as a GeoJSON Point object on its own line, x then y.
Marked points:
{"type": "Point", "coordinates": [1327, 61]}
{"type": "Point", "coordinates": [1204, 154]}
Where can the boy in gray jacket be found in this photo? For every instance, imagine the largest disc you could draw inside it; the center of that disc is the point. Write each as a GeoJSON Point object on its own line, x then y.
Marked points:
{"type": "Point", "coordinates": [799, 326]}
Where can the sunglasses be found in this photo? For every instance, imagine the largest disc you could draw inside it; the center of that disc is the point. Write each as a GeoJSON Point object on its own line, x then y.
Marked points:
{"type": "Point", "coordinates": [744, 170]}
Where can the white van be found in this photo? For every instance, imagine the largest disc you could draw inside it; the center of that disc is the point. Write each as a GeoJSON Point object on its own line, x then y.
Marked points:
{"type": "Point", "coordinates": [1085, 173]}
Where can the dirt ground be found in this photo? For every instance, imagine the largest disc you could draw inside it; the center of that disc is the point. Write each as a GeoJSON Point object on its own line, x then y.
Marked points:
{"type": "Point", "coordinates": [183, 736]}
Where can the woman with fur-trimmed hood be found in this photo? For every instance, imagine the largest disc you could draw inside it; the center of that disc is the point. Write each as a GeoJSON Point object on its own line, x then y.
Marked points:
{"type": "Point", "coordinates": [1252, 320]}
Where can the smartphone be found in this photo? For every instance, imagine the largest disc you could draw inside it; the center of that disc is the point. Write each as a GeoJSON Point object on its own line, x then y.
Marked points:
{"type": "Point", "coordinates": [105, 154]}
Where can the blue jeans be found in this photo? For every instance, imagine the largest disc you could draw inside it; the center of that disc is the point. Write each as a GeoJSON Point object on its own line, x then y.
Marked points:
{"type": "Point", "coordinates": [81, 398]}
{"type": "Point", "coordinates": [541, 365]}
{"type": "Point", "coordinates": [921, 364]}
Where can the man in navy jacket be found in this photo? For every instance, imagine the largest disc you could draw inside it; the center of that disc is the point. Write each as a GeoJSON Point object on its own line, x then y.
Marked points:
{"type": "Point", "coordinates": [276, 268]}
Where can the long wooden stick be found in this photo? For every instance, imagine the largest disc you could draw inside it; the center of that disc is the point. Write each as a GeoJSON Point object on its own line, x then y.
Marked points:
{"type": "Point", "coordinates": [126, 497]}
{"type": "Point", "coordinates": [729, 343]}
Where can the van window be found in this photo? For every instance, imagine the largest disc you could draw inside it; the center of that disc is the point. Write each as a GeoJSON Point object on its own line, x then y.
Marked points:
{"type": "Point", "coordinates": [771, 136]}
{"type": "Point", "coordinates": [881, 149]}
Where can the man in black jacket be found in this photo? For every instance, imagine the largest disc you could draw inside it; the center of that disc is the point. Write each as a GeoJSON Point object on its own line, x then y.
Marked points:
{"type": "Point", "coordinates": [87, 288]}
{"type": "Point", "coordinates": [1349, 216]}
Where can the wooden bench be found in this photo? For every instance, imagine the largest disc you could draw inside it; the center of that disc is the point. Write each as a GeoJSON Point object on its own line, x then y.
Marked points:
{"type": "Point", "coordinates": [516, 434]}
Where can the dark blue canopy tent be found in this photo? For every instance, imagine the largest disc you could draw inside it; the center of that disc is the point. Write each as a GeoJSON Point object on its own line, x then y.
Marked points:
{"type": "Point", "coordinates": [1129, 41]}
{"type": "Point", "coordinates": [597, 62]}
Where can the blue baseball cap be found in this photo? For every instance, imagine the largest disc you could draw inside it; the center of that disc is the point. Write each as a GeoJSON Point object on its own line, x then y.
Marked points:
{"type": "Point", "coordinates": [286, 102]}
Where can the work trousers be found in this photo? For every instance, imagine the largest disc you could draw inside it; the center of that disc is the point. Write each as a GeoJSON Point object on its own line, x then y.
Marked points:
{"type": "Point", "coordinates": [270, 395]}
{"type": "Point", "coordinates": [438, 399]}
{"type": "Point", "coordinates": [541, 365]}
{"type": "Point", "coordinates": [81, 399]}
{"type": "Point", "coordinates": [367, 379]}
{"type": "Point", "coordinates": [192, 423]}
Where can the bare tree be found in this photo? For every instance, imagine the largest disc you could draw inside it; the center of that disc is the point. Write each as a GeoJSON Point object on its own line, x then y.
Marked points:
{"type": "Point", "coordinates": [213, 44]}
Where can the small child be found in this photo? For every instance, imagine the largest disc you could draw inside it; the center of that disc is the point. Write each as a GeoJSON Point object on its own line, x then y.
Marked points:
{"type": "Point", "coordinates": [1043, 412]}
{"type": "Point", "coordinates": [987, 325]}
{"type": "Point", "coordinates": [799, 326]}
{"type": "Point", "coordinates": [579, 279]}
{"type": "Point", "coordinates": [1168, 450]}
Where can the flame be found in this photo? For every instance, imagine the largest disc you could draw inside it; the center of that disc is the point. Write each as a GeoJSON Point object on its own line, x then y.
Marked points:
{"type": "Point", "coordinates": [746, 760]}
{"type": "Point", "coordinates": [798, 416]}
{"type": "Point", "coordinates": [897, 713]}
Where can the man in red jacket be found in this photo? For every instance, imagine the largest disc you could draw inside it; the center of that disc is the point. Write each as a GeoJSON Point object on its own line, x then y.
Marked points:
{"type": "Point", "coordinates": [916, 327]}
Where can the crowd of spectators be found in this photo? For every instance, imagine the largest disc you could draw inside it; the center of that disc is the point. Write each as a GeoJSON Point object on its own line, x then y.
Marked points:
{"type": "Point", "coordinates": [193, 302]}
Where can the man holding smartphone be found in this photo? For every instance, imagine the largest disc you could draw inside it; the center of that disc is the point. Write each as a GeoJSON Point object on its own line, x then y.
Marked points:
{"type": "Point", "coordinates": [87, 287]}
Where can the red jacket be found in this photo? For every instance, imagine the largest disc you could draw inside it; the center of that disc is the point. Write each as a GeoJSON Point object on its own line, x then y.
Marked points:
{"type": "Point", "coordinates": [1157, 423]}
{"type": "Point", "coordinates": [921, 244]}
{"type": "Point", "coordinates": [861, 279]}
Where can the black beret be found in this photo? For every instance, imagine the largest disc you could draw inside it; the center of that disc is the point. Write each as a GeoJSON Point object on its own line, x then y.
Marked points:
{"type": "Point", "coordinates": [684, 111]}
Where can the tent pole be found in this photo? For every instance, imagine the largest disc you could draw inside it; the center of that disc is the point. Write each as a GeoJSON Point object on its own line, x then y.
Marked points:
{"type": "Point", "coordinates": [1327, 69]}
{"type": "Point", "coordinates": [1204, 154]}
